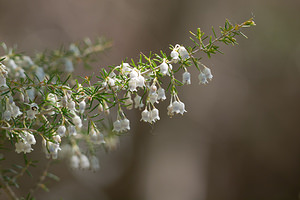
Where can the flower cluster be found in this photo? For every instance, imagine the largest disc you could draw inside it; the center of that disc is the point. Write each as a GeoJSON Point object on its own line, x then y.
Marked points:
{"type": "Point", "coordinates": [39, 99]}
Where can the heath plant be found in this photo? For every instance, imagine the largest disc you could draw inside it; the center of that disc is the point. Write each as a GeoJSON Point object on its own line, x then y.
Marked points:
{"type": "Point", "coordinates": [41, 101]}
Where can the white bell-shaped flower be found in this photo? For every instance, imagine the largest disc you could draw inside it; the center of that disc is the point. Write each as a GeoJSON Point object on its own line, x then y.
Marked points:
{"type": "Point", "coordinates": [40, 73]}
{"type": "Point", "coordinates": [32, 111]}
{"type": "Point", "coordinates": [207, 73]}
{"type": "Point", "coordinates": [82, 106]}
{"type": "Point", "coordinates": [15, 110]}
{"type": "Point", "coordinates": [186, 78]}
{"type": "Point", "coordinates": [94, 162]}
{"type": "Point", "coordinates": [125, 68]}
{"type": "Point", "coordinates": [125, 124]}
{"type": "Point", "coordinates": [128, 102]}
{"type": "Point", "coordinates": [178, 107]}
{"type": "Point", "coordinates": [202, 78]}
{"type": "Point", "coordinates": [175, 56]}
{"type": "Point", "coordinates": [100, 107]}
{"type": "Point", "coordinates": [77, 121]}
{"type": "Point", "coordinates": [182, 108]}
{"type": "Point", "coordinates": [146, 116]}
{"type": "Point", "coordinates": [134, 73]}
{"type": "Point", "coordinates": [57, 138]}
{"type": "Point", "coordinates": [140, 81]}
{"type": "Point", "coordinates": [53, 149]}
{"type": "Point", "coordinates": [12, 64]}
{"type": "Point", "coordinates": [23, 147]}
{"type": "Point", "coordinates": [137, 102]}
{"type": "Point", "coordinates": [117, 126]}
{"type": "Point", "coordinates": [29, 138]}
{"type": "Point", "coordinates": [111, 82]}
{"type": "Point", "coordinates": [7, 115]}
{"type": "Point", "coordinates": [164, 68]}
{"type": "Point", "coordinates": [183, 53]}
{"type": "Point", "coordinates": [153, 88]}
{"type": "Point", "coordinates": [84, 162]}
{"type": "Point", "coordinates": [153, 97]}
{"type": "Point", "coordinates": [72, 130]}
{"type": "Point", "coordinates": [69, 68]}
{"type": "Point", "coordinates": [170, 110]}
{"type": "Point", "coordinates": [61, 131]}
{"type": "Point", "coordinates": [154, 115]}
{"type": "Point", "coordinates": [71, 105]}
{"type": "Point", "coordinates": [132, 83]}
{"type": "Point", "coordinates": [52, 98]}
{"type": "Point", "coordinates": [106, 108]}
{"type": "Point", "coordinates": [161, 94]}
{"type": "Point", "coordinates": [96, 136]}
{"type": "Point", "coordinates": [74, 161]}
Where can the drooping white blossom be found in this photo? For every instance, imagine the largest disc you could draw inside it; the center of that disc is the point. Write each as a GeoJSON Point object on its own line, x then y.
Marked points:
{"type": "Point", "coordinates": [74, 161]}
{"type": "Point", "coordinates": [164, 68]}
{"type": "Point", "coordinates": [153, 97]}
{"type": "Point", "coordinates": [100, 108]}
{"type": "Point", "coordinates": [137, 102]}
{"type": "Point", "coordinates": [82, 106]}
{"type": "Point", "coordinates": [183, 52]}
{"type": "Point", "coordinates": [154, 115]}
{"type": "Point", "coordinates": [121, 125]}
{"type": "Point", "coordinates": [128, 102]}
{"type": "Point", "coordinates": [125, 68]}
{"type": "Point", "coordinates": [94, 162]}
{"type": "Point", "coordinates": [125, 124]}
{"type": "Point", "coordinates": [40, 73]}
{"type": "Point", "coordinates": [146, 115]}
{"type": "Point", "coordinates": [77, 121]}
{"type": "Point", "coordinates": [12, 64]}
{"type": "Point", "coordinates": [186, 78]}
{"type": "Point", "coordinates": [135, 80]}
{"type": "Point", "coordinates": [111, 81]}
{"type": "Point", "coordinates": [176, 107]}
{"type": "Point", "coordinates": [117, 126]}
{"type": "Point", "coordinates": [69, 68]}
{"type": "Point", "coordinates": [84, 162]}
{"type": "Point", "coordinates": [22, 146]}
{"type": "Point", "coordinates": [161, 94]}
{"type": "Point", "coordinates": [202, 78]}
{"type": "Point", "coordinates": [29, 138]}
{"type": "Point", "coordinates": [51, 149]}
{"type": "Point", "coordinates": [72, 130]}
{"type": "Point", "coordinates": [71, 105]}
{"type": "Point", "coordinates": [33, 110]}
{"type": "Point", "coordinates": [175, 56]}
{"type": "Point", "coordinates": [140, 81]}
{"type": "Point", "coordinates": [7, 115]}
{"type": "Point", "coordinates": [207, 73]}
{"type": "Point", "coordinates": [96, 136]}
{"type": "Point", "coordinates": [15, 110]}
{"type": "Point", "coordinates": [132, 84]}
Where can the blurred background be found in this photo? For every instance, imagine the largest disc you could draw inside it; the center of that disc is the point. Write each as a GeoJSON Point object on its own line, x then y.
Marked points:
{"type": "Point", "coordinates": [240, 138]}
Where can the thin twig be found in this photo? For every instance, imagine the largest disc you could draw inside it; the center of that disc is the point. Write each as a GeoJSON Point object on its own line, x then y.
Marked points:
{"type": "Point", "coordinates": [42, 178]}
{"type": "Point", "coordinates": [7, 189]}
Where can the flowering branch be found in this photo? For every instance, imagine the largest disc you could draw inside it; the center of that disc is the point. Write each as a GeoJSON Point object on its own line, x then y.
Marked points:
{"type": "Point", "coordinates": [59, 108]}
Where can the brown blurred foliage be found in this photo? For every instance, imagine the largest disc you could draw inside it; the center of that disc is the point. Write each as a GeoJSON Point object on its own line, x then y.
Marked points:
{"type": "Point", "coordinates": [240, 138]}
